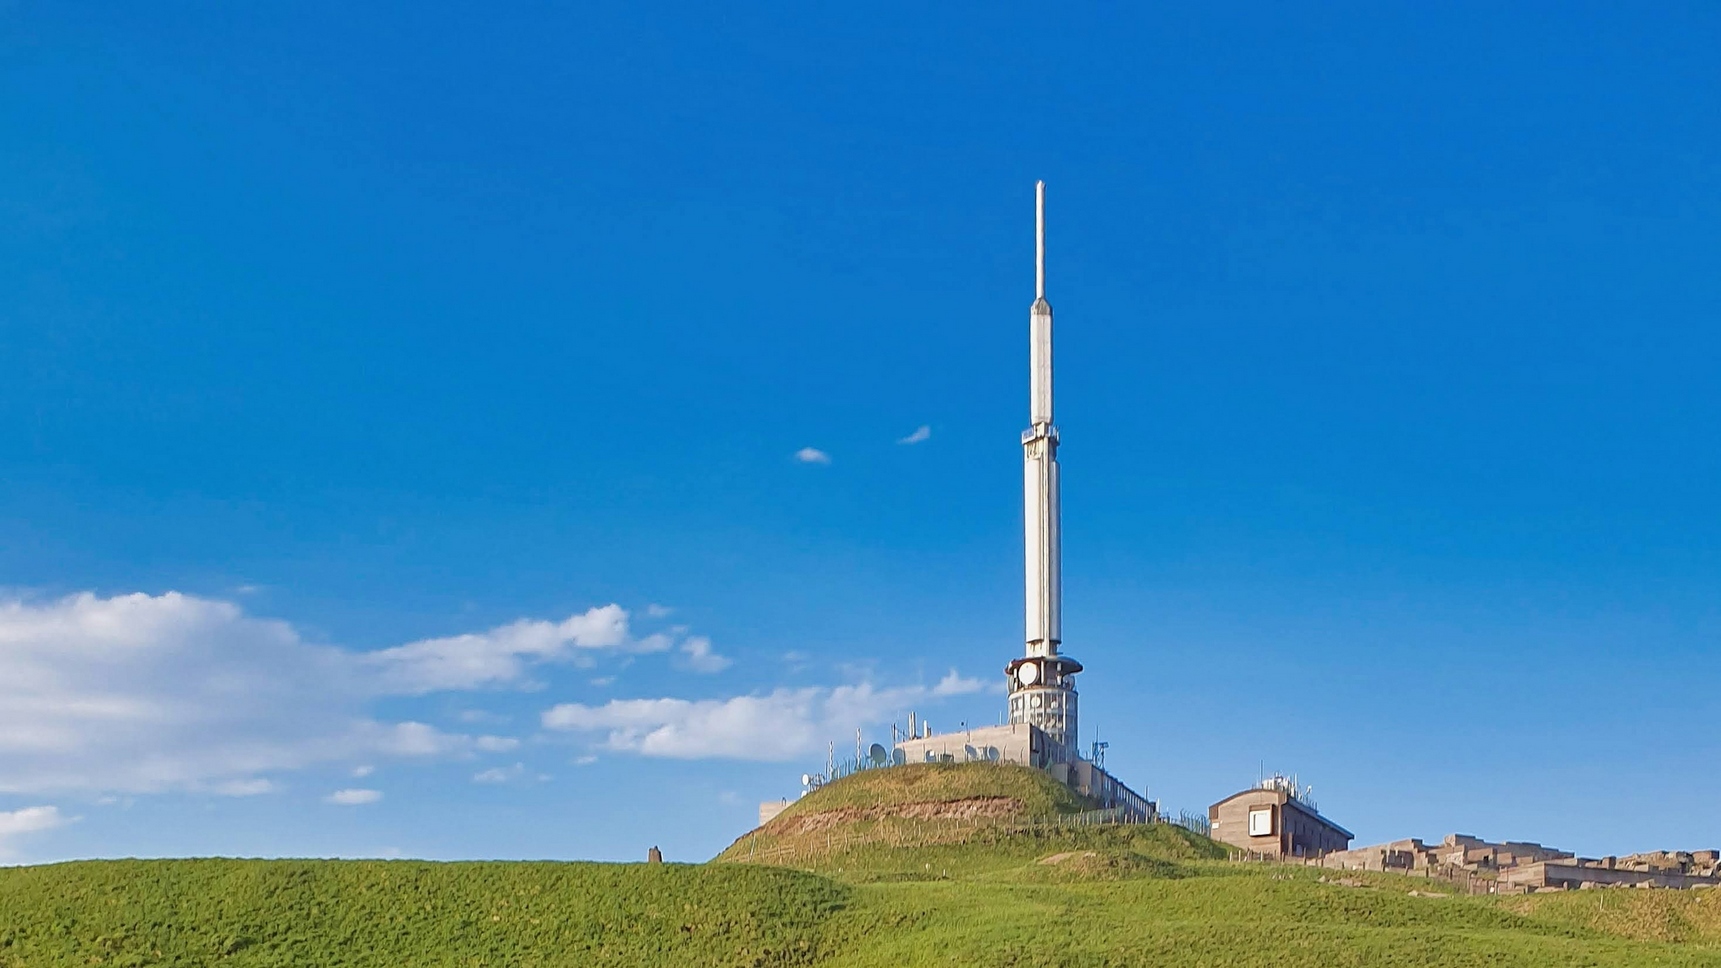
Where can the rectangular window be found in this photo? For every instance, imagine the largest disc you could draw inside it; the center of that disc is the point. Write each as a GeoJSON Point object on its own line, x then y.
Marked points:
{"type": "Point", "coordinates": [1261, 822]}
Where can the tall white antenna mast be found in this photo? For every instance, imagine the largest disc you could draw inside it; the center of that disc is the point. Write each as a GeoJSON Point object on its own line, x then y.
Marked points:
{"type": "Point", "coordinates": [1042, 682]}
{"type": "Point", "coordinates": [1039, 240]}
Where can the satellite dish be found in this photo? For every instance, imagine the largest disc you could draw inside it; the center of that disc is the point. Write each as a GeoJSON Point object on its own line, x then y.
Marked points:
{"type": "Point", "coordinates": [1027, 673]}
{"type": "Point", "coordinates": [806, 779]}
{"type": "Point", "coordinates": [877, 755]}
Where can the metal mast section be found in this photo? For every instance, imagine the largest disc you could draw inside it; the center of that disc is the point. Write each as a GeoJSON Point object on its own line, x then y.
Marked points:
{"type": "Point", "coordinates": [1042, 682]}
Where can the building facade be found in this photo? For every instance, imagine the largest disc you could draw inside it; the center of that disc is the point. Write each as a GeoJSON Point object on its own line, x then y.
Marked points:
{"type": "Point", "coordinates": [1518, 867]}
{"type": "Point", "coordinates": [1019, 743]}
{"type": "Point", "coordinates": [1270, 820]}
{"type": "Point", "coordinates": [1457, 851]}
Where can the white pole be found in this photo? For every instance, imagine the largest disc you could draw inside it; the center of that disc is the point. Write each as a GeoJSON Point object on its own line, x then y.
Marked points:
{"type": "Point", "coordinates": [1039, 240]}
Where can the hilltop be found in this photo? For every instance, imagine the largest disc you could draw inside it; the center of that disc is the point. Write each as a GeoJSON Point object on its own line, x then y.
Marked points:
{"type": "Point", "coordinates": [1031, 792]}
{"type": "Point", "coordinates": [941, 817]}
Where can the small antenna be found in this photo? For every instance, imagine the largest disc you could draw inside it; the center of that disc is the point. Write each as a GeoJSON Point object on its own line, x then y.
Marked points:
{"type": "Point", "coordinates": [1039, 240]}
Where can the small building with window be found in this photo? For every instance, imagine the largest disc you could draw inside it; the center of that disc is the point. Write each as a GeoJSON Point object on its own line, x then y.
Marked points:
{"type": "Point", "coordinates": [1276, 819]}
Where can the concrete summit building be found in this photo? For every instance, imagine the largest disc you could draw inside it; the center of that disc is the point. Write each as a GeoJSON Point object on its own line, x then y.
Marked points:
{"type": "Point", "coordinates": [1043, 730]}
{"type": "Point", "coordinates": [1275, 819]}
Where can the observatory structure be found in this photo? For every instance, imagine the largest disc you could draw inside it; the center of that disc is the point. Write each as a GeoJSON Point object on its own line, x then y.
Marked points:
{"type": "Point", "coordinates": [1043, 729]}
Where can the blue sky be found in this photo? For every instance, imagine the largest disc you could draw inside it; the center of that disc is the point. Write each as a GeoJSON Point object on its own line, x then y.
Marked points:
{"type": "Point", "coordinates": [399, 409]}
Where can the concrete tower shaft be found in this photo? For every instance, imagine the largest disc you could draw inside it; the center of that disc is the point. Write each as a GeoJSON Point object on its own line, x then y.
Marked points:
{"type": "Point", "coordinates": [1042, 542]}
{"type": "Point", "coordinates": [1042, 683]}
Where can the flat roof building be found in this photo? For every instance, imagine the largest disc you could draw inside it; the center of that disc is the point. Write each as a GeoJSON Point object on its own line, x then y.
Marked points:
{"type": "Point", "coordinates": [1273, 820]}
{"type": "Point", "coordinates": [1025, 744]}
{"type": "Point", "coordinates": [1020, 743]}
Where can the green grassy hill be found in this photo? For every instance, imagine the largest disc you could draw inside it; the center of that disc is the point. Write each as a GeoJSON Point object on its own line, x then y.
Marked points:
{"type": "Point", "coordinates": [1031, 792]}
{"type": "Point", "coordinates": [396, 913]}
{"type": "Point", "coordinates": [980, 884]}
{"type": "Point", "coordinates": [955, 820]}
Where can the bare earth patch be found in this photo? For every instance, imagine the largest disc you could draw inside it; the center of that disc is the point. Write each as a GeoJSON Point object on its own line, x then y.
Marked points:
{"type": "Point", "coordinates": [971, 808]}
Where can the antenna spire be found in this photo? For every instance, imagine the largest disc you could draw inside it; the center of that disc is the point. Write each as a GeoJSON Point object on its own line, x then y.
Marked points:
{"type": "Point", "coordinates": [1039, 240]}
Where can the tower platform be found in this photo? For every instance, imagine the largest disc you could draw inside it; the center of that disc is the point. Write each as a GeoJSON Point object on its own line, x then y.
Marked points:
{"type": "Point", "coordinates": [1027, 745]}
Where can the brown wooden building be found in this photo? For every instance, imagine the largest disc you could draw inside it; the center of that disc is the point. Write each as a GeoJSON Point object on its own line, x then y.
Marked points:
{"type": "Point", "coordinates": [1270, 820]}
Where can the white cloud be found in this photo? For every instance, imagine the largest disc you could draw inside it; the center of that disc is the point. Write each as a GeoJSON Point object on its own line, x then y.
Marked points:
{"type": "Point", "coordinates": [360, 772]}
{"type": "Point", "coordinates": [501, 656]}
{"type": "Point", "coordinates": [954, 685]}
{"type": "Point", "coordinates": [244, 788]}
{"type": "Point", "coordinates": [353, 797]}
{"type": "Point", "coordinates": [500, 774]}
{"type": "Point", "coordinates": [776, 726]}
{"type": "Point", "coordinates": [149, 693]}
{"type": "Point", "coordinates": [812, 455]}
{"type": "Point", "coordinates": [30, 820]}
{"type": "Point", "coordinates": [142, 693]}
{"type": "Point", "coordinates": [700, 657]}
{"type": "Point", "coordinates": [155, 693]}
{"type": "Point", "coordinates": [773, 727]}
{"type": "Point", "coordinates": [922, 433]}
{"type": "Point", "coordinates": [658, 611]}
{"type": "Point", "coordinates": [414, 739]}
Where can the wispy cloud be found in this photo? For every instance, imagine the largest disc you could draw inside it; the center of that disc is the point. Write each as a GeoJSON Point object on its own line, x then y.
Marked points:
{"type": "Point", "coordinates": [921, 434]}
{"type": "Point", "coordinates": [500, 774]}
{"type": "Point", "coordinates": [698, 656]}
{"type": "Point", "coordinates": [154, 693]}
{"type": "Point", "coordinates": [502, 655]}
{"type": "Point", "coordinates": [29, 820]}
{"type": "Point", "coordinates": [812, 455]}
{"type": "Point", "coordinates": [776, 726]}
{"type": "Point", "coordinates": [955, 685]}
{"type": "Point", "coordinates": [353, 797]}
{"type": "Point", "coordinates": [244, 788]}
{"type": "Point", "coordinates": [142, 693]}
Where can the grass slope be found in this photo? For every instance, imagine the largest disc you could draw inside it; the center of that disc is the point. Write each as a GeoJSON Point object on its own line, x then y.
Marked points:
{"type": "Point", "coordinates": [393, 913]}
{"type": "Point", "coordinates": [1035, 793]}
{"type": "Point", "coordinates": [1102, 904]}
{"type": "Point", "coordinates": [918, 805]}
{"type": "Point", "coordinates": [996, 894]}
{"type": "Point", "coordinates": [1686, 916]}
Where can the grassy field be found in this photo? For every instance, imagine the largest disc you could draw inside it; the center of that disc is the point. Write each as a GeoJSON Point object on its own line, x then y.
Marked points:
{"type": "Point", "coordinates": [1017, 889]}
{"type": "Point", "coordinates": [363, 913]}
